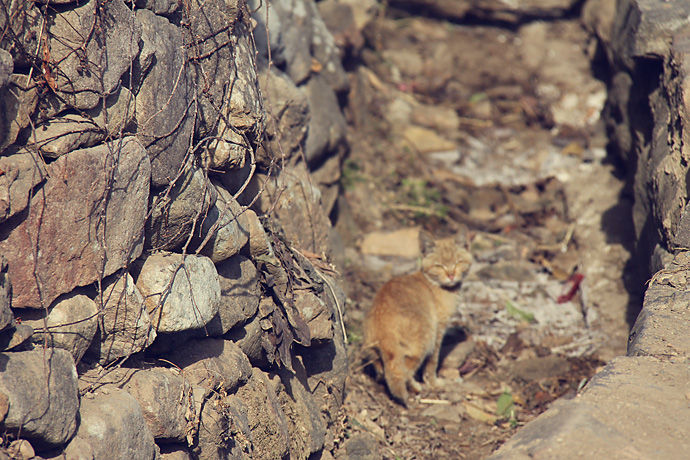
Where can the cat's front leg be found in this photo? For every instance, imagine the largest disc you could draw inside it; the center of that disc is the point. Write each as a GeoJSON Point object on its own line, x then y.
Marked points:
{"type": "Point", "coordinates": [431, 366]}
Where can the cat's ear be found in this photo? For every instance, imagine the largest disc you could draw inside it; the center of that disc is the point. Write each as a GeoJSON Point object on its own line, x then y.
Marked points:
{"type": "Point", "coordinates": [426, 242]}
{"type": "Point", "coordinates": [462, 238]}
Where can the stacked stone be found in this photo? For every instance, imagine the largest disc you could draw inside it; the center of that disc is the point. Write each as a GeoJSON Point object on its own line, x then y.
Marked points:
{"type": "Point", "coordinates": [145, 310]}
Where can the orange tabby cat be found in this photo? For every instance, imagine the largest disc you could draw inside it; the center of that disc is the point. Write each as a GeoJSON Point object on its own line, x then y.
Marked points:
{"type": "Point", "coordinates": [410, 314]}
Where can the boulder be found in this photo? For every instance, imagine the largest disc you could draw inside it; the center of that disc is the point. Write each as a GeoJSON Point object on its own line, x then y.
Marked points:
{"type": "Point", "coordinates": [115, 113]}
{"type": "Point", "coordinates": [178, 212]}
{"type": "Point", "coordinates": [88, 217]}
{"type": "Point", "coordinates": [259, 244]}
{"type": "Point", "coordinates": [296, 18]}
{"type": "Point", "coordinates": [164, 90]}
{"type": "Point", "coordinates": [4, 406]}
{"type": "Point", "coordinates": [77, 449]}
{"type": "Point", "coordinates": [163, 397]}
{"type": "Point", "coordinates": [71, 324]}
{"type": "Point", "coordinates": [14, 336]}
{"type": "Point", "coordinates": [23, 172]}
{"type": "Point", "coordinates": [232, 112]}
{"type": "Point", "coordinates": [662, 329]}
{"type": "Point", "coordinates": [249, 337]}
{"type": "Point", "coordinates": [46, 414]}
{"type": "Point", "coordinates": [21, 449]}
{"type": "Point", "coordinates": [125, 324]}
{"type": "Point", "coordinates": [110, 44]}
{"type": "Point", "coordinates": [326, 55]}
{"type": "Point", "coordinates": [58, 136]}
{"type": "Point", "coordinates": [225, 229]}
{"type": "Point", "coordinates": [113, 426]}
{"type": "Point", "coordinates": [291, 110]}
{"type": "Point", "coordinates": [239, 294]}
{"type": "Point", "coordinates": [214, 364]}
{"type": "Point", "coordinates": [327, 125]}
{"type": "Point", "coordinates": [648, 53]}
{"type": "Point", "coordinates": [182, 292]}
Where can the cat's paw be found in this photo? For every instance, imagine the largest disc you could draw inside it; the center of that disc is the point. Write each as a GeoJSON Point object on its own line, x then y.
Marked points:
{"type": "Point", "coordinates": [430, 380]}
{"type": "Point", "coordinates": [415, 386]}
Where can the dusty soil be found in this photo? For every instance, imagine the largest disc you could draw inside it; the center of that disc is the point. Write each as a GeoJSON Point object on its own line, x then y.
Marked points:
{"type": "Point", "coordinates": [498, 129]}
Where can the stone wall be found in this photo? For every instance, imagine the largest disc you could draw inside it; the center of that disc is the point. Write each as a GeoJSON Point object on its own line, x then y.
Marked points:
{"type": "Point", "coordinates": [165, 184]}
{"type": "Point", "coordinates": [647, 118]}
{"type": "Point", "coordinates": [633, 407]}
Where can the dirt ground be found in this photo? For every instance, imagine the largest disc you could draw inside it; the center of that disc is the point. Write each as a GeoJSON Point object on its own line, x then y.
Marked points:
{"type": "Point", "coordinates": [496, 128]}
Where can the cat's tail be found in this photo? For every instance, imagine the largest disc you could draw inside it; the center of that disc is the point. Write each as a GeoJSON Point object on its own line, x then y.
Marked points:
{"type": "Point", "coordinates": [370, 358]}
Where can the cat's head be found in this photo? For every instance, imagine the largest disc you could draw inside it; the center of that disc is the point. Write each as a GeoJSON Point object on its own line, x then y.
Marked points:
{"type": "Point", "coordinates": [445, 261]}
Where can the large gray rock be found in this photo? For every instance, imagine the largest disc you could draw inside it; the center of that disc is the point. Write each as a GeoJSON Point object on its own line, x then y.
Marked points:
{"type": "Point", "coordinates": [296, 18]}
{"type": "Point", "coordinates": [125, 326]}
{"type": "Point", "coordinates": [85, 223]}
{"type": "Point", "coordinates": [327, 126]}
{"type": "Point", "coordinates": [116, 113]}
{"type": "Point", "coordinates": [268, 31]}
{"type": "Point", "coordinates": [164, 89]}
{"type": "Point", "coordinates": [14, 337]}
{"type": "Point", "coordinates": [182, 292]}
{"type": "Point", "coordinates": [177, 213]}
{"type": "Point", "coordinates": [225, 229]}
{"type": "Point", "coordinates": [250, 338]}
{"type": "Point", "coordinates": [23, 171]}
{"type": "Point", "coordinates": [232, 112]}
{"type": "Point", "coordinates": [70, 324]}
{"type": "Point", "coordinates": [291, 109]}
{"type": "Point", "coordinates": [239, 294]}
{"type": "Point", "coordinates": [611, 417]}
{"type": "Point", "coordinates": [259, 243]}
{"type": "Point", "coordinates": [326, 54]}
{"type": "Point", "coordinates": [214, 364]}
{"type": "Point", "coordinates": [163, 397]}
{"type": "Point", "coordinates": [42, 390]}
{"type": "Point", "coordinates": [57, 136]}
{"type": "Point", "coordinates": [107, 34]}
{"type": "Point", "coordinates": [77, 449]}
{"type": "Point", "coordinates": [113, 426]}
